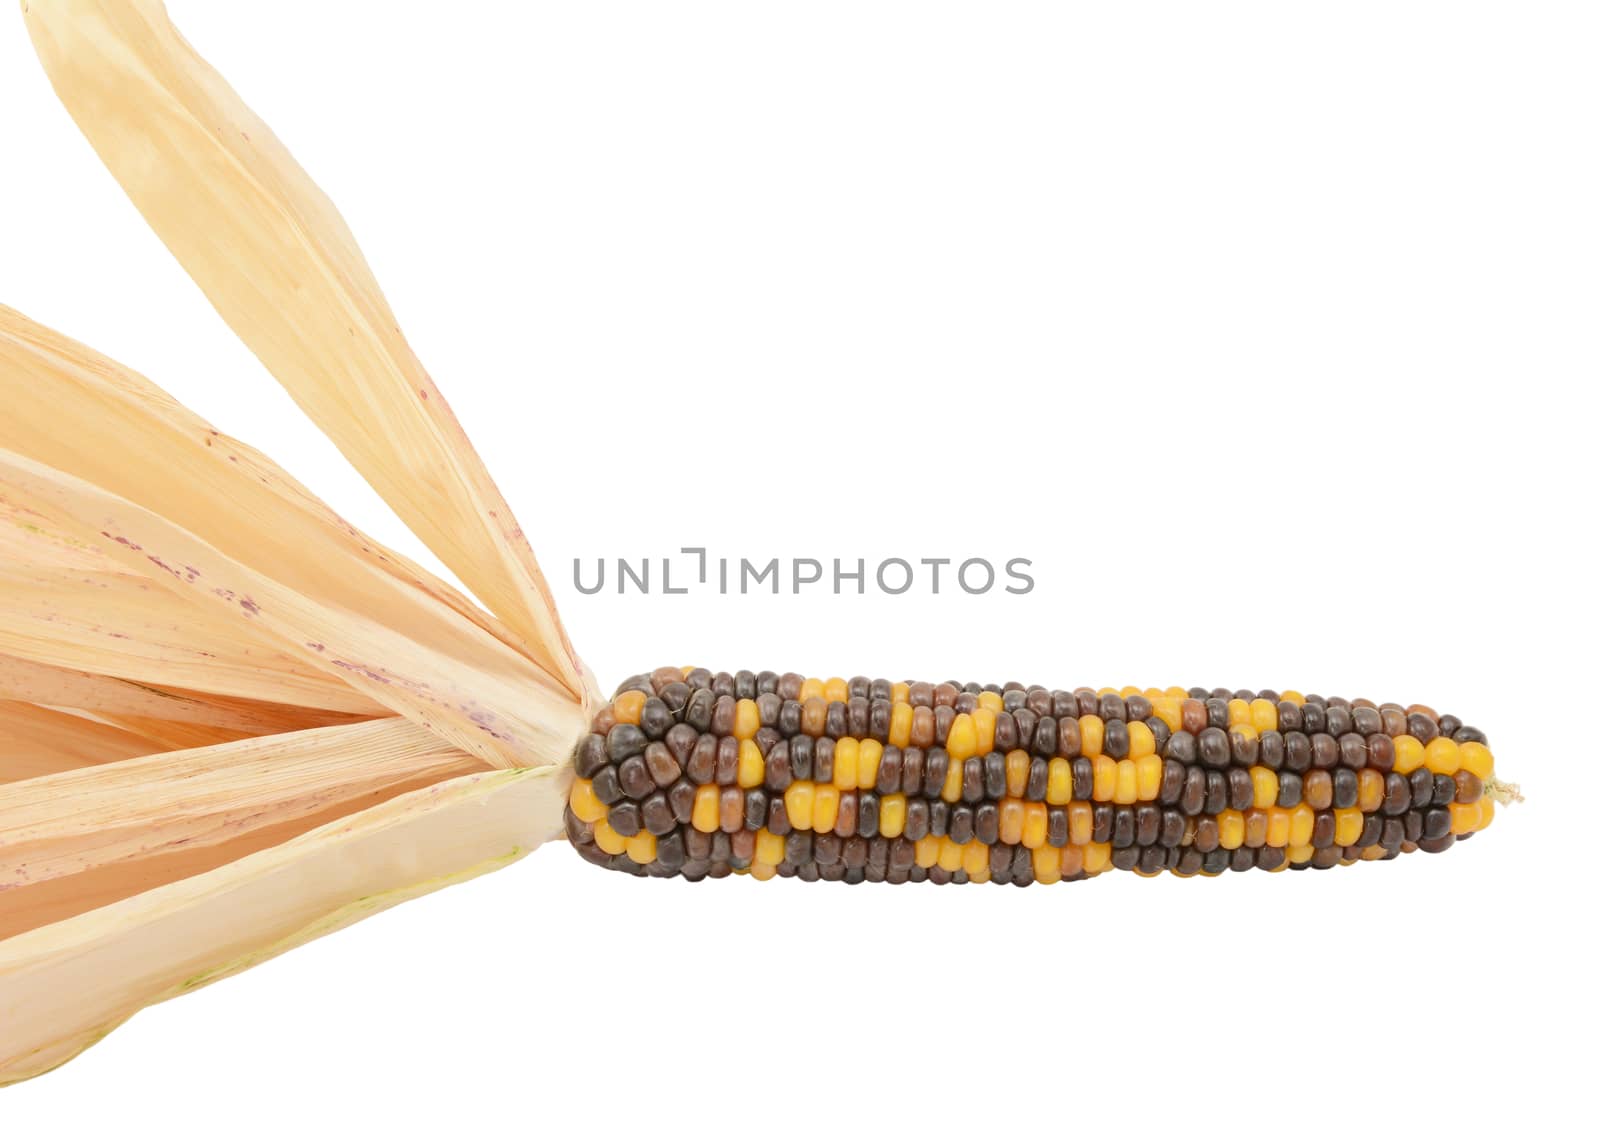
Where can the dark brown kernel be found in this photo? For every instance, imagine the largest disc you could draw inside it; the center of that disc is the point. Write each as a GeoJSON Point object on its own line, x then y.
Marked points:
{"type": "Point", "coordinates": [854, 855]}
{"type": "Point", "coordinates": [1271, 857]}
{"type": "Point", "coordinates": [1217, 713]}
{"type": "Point", "coordinates": [1396, 795]}
{"type": "Point", "coordinates": [1289, 790]}
{"type": "Point", "coordinates": [1104, 819]}
{"type": "Point", "coordinates": [1193, 800]}
{"type": "Point", "coordinates": [1319, 789]}
{"type": "Point", "coordinates": [1353, 751]}
{"type": "Point", "coordinates": [669, 852]}
{"type": "Point", "coordinates": [972, 780]}
{"type": "Point", "coordinates": [986, 823]}
{"type": "Point", "coordinates": [697, 844]}
{"type": "Point", "coordinates": [1038, 779]}
{"type": "Point", "coordinates": [994, 776]}
{"type": "Point", "coordinates": [1190, 862]}
{"type": "Point", "coordinates": [607, 789]}
{"type": "Point", "coordinates": [727, 770]}
{"type": "Point", "coordinates": [1444, 789]}
{"type": "Point", "coordinates": [827, 849]}
{"type": "Point", "coordinates": [912, 764]}
{"type": "Point", "coordinates": [681, 798]}
{"type": "Point", "coordinates": [1413, 823]}
{"type": "Point", "coordinates": [1217, 791]}
{"type": "Point", "coordinates": [1421, 789]}
{"type": "Point", "coordinates": [1371, 830]}
{"type": "Point", "coordinates": [1006, 737]}
{"type": "Point", "coordinates": [1270, 750]}
{"type": "Point", "coordinates": [1435, 824]}
{"type": "Point", "coordinates": [1313, 717]}
{"type": "Point", "coordinates": [797, 848]}
{"type": "Point", "coordinates": [1206, 834]}
{"type": "Point", "coordinates": [944, 694]}
{"type": "Point", "coordinates": [625, 819]}
{"type": "Point", "coordinates": [1173, 825]}
{"type": "Point", "coordinates": [590, 756]}
{"type": "Point", "coordinates": [731, 804]}
{"type": "Point", "coordinates": [1172, 779]}
{"type": "Point", "coordinates": [939, 818]}
{"type": "Point", "coordinates": [1027, 723]}
{"type": "Point", "coordinates": [743, 846]}
{"type": "Point", "coordinates": [778, 817]}
{"type": "Point", "coordinates": [1422, 727]}
{"type": "Point", "coordinates": [922, 727]}
{"type": "Point", "coordinates": [1393, 835]}
{"type": "Point", "coordinates": [1241, 789]}
{"type": "Point", "coordinates": [1436, 844]}
{"type": "Point", "coordinates": [624, 741]}
{"type": "Point", "coordinates": [1322, 830]}
{"type": "Point", "coordinates": [1045, 737]}
{"type": "Point", "coordinates": [1182, 746]}
{"type": "Point", "coordinates": [1213, 746]}
{"type": "Point", "coordinates": [836, 723]}
{"type": "Point", "coordinates": [918, 819]}
{"type": "Point", "coordinates": [1083, 779]}
{"type": "Point", "coordinates": [1296, 752]}
{"type": "Point", "coordinates": [822, 760]}
{"type": "Point", "coordinates": [663, 768]}
{"type": "Point", "coordinates": [1069, 738]}
{"type": "Point", "coordinates": [1146, 825]}
{"type": "Point", "coordinates": [1125, 859]}
{"type": "Point", "coordinates": [1192, 716]}
{"type": "Point", "coordinates": [1242, 860]}
{"type": "Point", "coordinates": [1346, 788]}
{"type": "Point", "coordinates": [1469, 787]}
{"type": "Point", "coordinates": [1289, 717]}
{"type": "Point", "coordinates": [1243, 745]}
{"type": "Point", "coordinates": [657, 816]}
{"type": "Point", "coordinates": [1340, 721]}
{"type": "Point", "coordinates": [1324, 751]}
{"type": "Point", "coordinates": [867, 814]}
{"type": "Point", "coordinates": [1116, 740]}
{"type": "Point", "coordinates": [1470, 734]}
{"type": "Point", "coordinates": [755, 809]}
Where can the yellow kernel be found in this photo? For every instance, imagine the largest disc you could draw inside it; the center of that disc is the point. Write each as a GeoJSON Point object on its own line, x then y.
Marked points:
{"type": "Point", "coordinates": [810, 688]}
{"type": "Point", "coordinates": [1105, 778]}
{"type": "Point", "coordinates": [983, 724]}
{"type": "Point", "coordinates": [1230, 828]}
{"type": "Point", "coordinates": [952, 782]}
{"type": "Point", "coordinates": [752, 766]}
{"type": "Point", "coordinates": [989, 700]}
{"type": "Point", "coordinates": [1092, 736]}
{"type": "Point", "coordinates": [628, 706]}
{"type": "Point", "coordinates": [1238, 712]}
{"type": "Point", "coordinates": [1443, 756]}
{"type": "Point", "coordinates": [1177, 692]}
{"type": "Point", "coordinates": [1476, 759]}
{"type": "Point", "coordinates": [900, 724]}
{"type": "Point", "coordinates": [746, 719]}
{"type": "Point", "coordinates": [1299, 854]}
{"type": "Point", "coordinates": [642, 848]}
{"type": "Point", "coordinates": [1278, 827]}
{"type": "Point", "coordinates": [1294, 696]}
{"type": "Point", "coordinates": [1129, 691]}
{"type": "Point", "coordinates": [1485, 813]}
{"type": "Point", "coordinates": [900, 692]}
{"type": "Point", "coordinates": [1346, 826]}
{"type": "Point", "coordinates": [1266, 786]}
{"type": "Point", "coordinates": [892, 815]}
{"type": "Point", "coordinates": [1263, 715]}
{"type": "Point", "coordinates": [1141, 742]}
{"type": "Point", "coordinates": [1046, 865]}
{"type": "Point", "coordinates": [760, 870]}
{"type": "Point", "coordinates": [584, 804]}
{"type": "Point", "coordinates": [1011, 820]}
{"type": "Point", "coordinates": [608, 839]}
{"type": "Point", "coordinates": [1058, 787]}
{"type": "Point", "coordinates": [707, 813]}
{"type": "Point", "coordinates": [962, 741]}
{"type": "Point", "coordinates": [871, 754]}
{"type": "Point", "coordinates": [846, 763]}
{"type": "Point", "coordinates": [1169, 710]}
{"type": "Point", "coordinates": [949, 855]}
{"type": "Point", "coordinates": [1017, 765]}
{"type": "Point", "coordinates": [1149, 770]}
{"type": "Point", "coordinates": [1370, 791]}
{"type": "Point", "coordinates": [1035, 824]}
{"type": "Point", "coordinates": [1127, 789]}
{"type": "Point", "coordinates": [1080, 823]}
{"type": "Point", "coordinates": [1302, 820]}
{"type": "Point", "coordinates": [824, 809]}
{"type": "Point", "coordinates": [975, 858]}
{"type": "Point", "coordinates": [928, 850]}
{"type": "Point", "coordinates": [979, 877]}
{"type": "Point", "coordinates": [1464, 818]}
{"type": "Point", "coordinates": [1096, 857]}
{"type": "Point", "coordinates": [769, 848]}
{"type": "Point", "coordinates": [1408, 754]}
{"type": "Point", "coordinates": [799, 799]}
{"type": "Point", "coordinates": [836, 690]}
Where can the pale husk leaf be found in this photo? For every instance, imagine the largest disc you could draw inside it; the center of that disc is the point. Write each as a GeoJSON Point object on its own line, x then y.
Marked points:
{"type": "Point", "coordinates": [36, 741]}
{"type": "Point", "coordinates": [66, 985]}
{"type": "Point", "coordinates": [274, 257]}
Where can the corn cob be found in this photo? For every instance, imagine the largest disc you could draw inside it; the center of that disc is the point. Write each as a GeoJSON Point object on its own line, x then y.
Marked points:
{"type": "Point", "coordinates": [692, 774]}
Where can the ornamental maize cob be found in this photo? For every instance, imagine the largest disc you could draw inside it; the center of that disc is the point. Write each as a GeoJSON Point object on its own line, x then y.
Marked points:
{"type": "Point", "coordinates": [693, 774]}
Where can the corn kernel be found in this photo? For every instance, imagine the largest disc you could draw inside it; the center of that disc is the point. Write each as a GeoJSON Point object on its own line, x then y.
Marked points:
{"type": "Point", "coordinates": [1300, 854]}
{"type": "Point", "coordinates": [892, 815]}
{"type": "Point", "coordinates": [952, 782]}
{"type": "Point", "coordinates": [1096, 857]}
{"type": "Point", "coordinates": [1017, 765]}
{"type": "Point", "coordinates": [642, 848]}
{"type": "Point", "coordinates": [989, 700]}
{"type": "Point", "coordinates": [1046, 865]}
{"type": "Point", "coordinates": [1476, 759]}
{"type": "Point", "coordinates": [1058, 788]}
{"type": "Point", "coordinates": [1370, 791]}
{"type": "Point", "coordinates": [1266, 786]}
{"type": "Point", "coordinates": [760, 870]}
{"type": "Point", "coordinates": [824, 809]}
{"type": "Point", "coordinates": [870, 755]}
{"type": "Point", "coordinates": [983, 725]}
{"type": "Point", "coordinates": [900, 692]}
{"type": "Point", "coordinates": [1263, 715]}
{"type": "Point", "coordinates": [927, 853]}
{"type": "Point", "coordinates": [1149, 771]}
{"type": "Point", "coordinates": [1230, 829]}
{"type": "Point", "coordinates": [1092, 736]}
{"type": "Point", "coordinates": [1278, 827]}
{"type": "Point", "coordinates": [1464, 818]}
{"type": "Point", "coordinates": [962, 741]}
{"type": "Point", "coordinates": [1302, 820]}
{"type": "Point", "coordinates": [609, 841]}
{"type": "Point", "coordinates": [1105, 778]}
{"type": "Point", "coordinates": [1080, 823]}
{"type": "Point", "coordinates": [628, 706]}
{"type": "Point", "coordinates": [1346, 826]}
{"type": "Point", "coordinates": [1035, 824]}
{"type": "Point", "coordinates": [846, 763]}
{"type": "Point", "coordinates": [1169, 710]}
{"type": "Point", "coordinates": [799, 799]}
{"type": "Point", "coordinates": [1485, 813]}
{"type": "Point", "coordinates": [1011, 816]}
{"type": "Point", "coordinates": [752, 766]}
{"type": "Point", "coordinates": [1071, 860]}
{"type": "Point", "coordinates": [769, 848]}
{"type": "Point", "coordinates": [900, 725]}
{"type": "Point", "coordinates": [746, 719]}
{"type": "Point", "coordinates": [974, 858]}
{"type": "Point", "coordinates": [1408, 754]}
{"type": "Point", "coordinates": [810, 688]}
{"type": "Point", "coordinates": [949, 855]}
{"type": "Point", "coordinates": [1443, 756]}
{"type": "Point", "coordinates": [1238, 712]}
{"type": "Point", "coordinates": [1127, 787]}
{"type": "Point", "coordinates": [1141, 742]}
{"type": "Point", "coordinates": [1294, 696]}
{"type": "Point", "coordinates": [584, 804]}
{"type": "Point", "coordinates": [836, 690]}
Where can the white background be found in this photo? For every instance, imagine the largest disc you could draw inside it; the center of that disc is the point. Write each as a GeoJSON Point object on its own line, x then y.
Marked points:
{"type": "Point", "coordinates": [1266, 330]}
